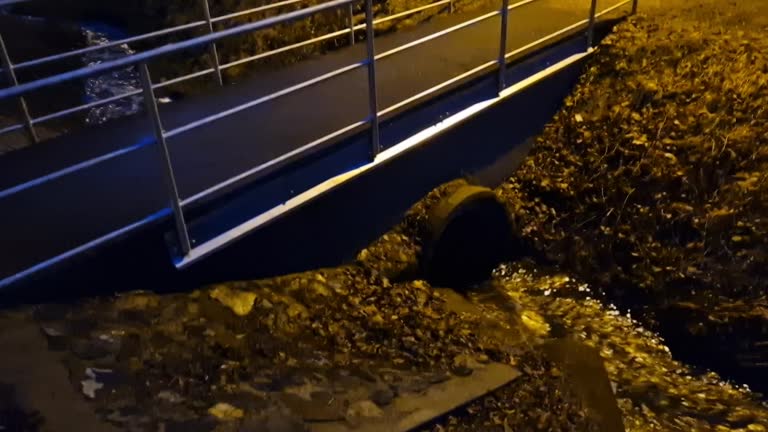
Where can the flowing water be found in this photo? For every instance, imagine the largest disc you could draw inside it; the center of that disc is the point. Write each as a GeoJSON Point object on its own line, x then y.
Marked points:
{"type": "Point", "coordinates": [113, 83]}
{"type": "Point", "coordinates": [654, 390]}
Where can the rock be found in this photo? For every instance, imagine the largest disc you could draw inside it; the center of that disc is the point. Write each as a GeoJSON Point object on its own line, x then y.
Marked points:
{"type": "Point", "coordinates": [361, 411]}
{"type": "Point", "coordinates": [93, 381]}
{"type": "Point", "coordinates": [297, 311]}
{"type": "Point", "coordinates": [170, 396]}
{"type": "Point", "coordinates": [136, 302]}
{"type": "Point", "coordinates": [535, 322]}
{"type": "Point", "coordinates": [240, 302]}
{"type": "Point", "coordinates": [463, 365]}
{"type": "Point", "coordinates": [383, 395]}
{"type": "Point", "coordinates": [226, 412]}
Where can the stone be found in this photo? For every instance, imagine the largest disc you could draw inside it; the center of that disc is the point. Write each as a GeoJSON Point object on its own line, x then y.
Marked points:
{"type": "Point", "coordinates": [463, 365]}
{"type": "Point", "coordinates": [136, 302]}
{"type": "Point", "coordinates": [240, 302]}
{"type": "Point", "coordinates": [226, 412]}
{"type": "Point", "coordinates": [93, 381]}
{"type": "Point", "coordinates": [297, 311]}
{"type": "Point", "coordinates": [383, 395]}
{"type": "Point", "coordinates": [170, 396]}
{"type": "Point", "coordinates": [361, 411]}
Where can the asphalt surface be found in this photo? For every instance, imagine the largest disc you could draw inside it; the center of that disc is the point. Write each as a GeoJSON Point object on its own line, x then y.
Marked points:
{"type": "Point", "coordinates": [48, 219]}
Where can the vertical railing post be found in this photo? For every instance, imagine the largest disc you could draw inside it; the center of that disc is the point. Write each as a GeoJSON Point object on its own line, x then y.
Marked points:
{"type": "Point", "coordinates": [503, 45]}
{"type": "Point", "coordinates": [591, 27]}
{"type": "Point", "coordinates": [373, 104]}
{"type": "Point", "coordinates": [351, 23]}
{"type": "Point", "coordinates": [214, 50]}
{"type": "Point", "coordinates": [450, 6]}
{"type": "Point", "coordinates": [634, 7]}
{"type": "Point", "coordinates": [170, 180]}
{"type": "Point", "coordinates": [5, 62]}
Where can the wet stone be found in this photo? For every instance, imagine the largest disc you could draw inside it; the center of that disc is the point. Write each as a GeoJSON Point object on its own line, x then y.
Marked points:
{"type": "Point", "coordinates": [382, 396]}
{"type": "Point", "coordinates": [361, 411]}
{"type": "Point", "coordinates": [463, 365]}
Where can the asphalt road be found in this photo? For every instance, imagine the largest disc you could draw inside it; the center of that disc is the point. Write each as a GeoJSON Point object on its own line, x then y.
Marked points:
{"type": "Point", "coordinates": [51, 218]}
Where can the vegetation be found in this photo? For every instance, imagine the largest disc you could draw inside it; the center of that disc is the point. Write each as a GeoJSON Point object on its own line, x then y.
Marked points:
{"type": "Point", "coordinates": [651, 181]}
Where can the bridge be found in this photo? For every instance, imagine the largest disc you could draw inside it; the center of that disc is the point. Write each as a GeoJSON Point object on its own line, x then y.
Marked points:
{"type": "Point", "coordinates": [182, 182]}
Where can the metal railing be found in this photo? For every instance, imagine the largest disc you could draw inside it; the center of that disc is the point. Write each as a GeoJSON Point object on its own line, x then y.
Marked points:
{"type": "Point", "coordinates": [29, 122]}
{"type": "Point", "coordinates": [161, 135]}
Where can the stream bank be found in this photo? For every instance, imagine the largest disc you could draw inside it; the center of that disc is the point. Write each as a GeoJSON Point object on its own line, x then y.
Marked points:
{"type": "Point", "coordinates": [650, 182]}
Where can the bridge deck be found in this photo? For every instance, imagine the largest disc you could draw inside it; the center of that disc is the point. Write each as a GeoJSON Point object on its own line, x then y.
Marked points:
{"type": "Point", "coordinates": [49, 219]}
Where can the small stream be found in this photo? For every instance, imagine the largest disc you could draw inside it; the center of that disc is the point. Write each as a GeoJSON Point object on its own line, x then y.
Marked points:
{"type": "Point", "coordinates": [111, 84]}
{"type": "Point", "coordinates": [655, 391]}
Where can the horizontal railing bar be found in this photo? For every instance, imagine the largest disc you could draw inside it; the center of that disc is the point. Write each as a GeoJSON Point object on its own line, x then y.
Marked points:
{"type": "Point", "coordinates": [438, 87]}
{"type": "Point", "coordinates": [144, 56]}
{"type": "Point", "coordinates": [11, 128]}
{"type": "Point", "coordinates": [72, 168]}
{"type": "Point", "coordinates": [145, 36]}
{"type": "Point", "coordinates": [546, 38]}
{"type": "Point", "coordinates": [195, 24]}
{"type": "Point", "coordinates": [86, 50]}
{"type": "Point", "coordinates": [262, 55]}
{"type": "Point", "coordinates": [409, 12]}
{"type": "Point", "coordinates": [93, 104]}
{"type": "Point", "coordinates": [436, 35]}
{"type": "Point", "coordinates": [111, 236]}
{"type": "Point", "coordinates": [269, 97]}
{"type": "Point", "coordinates": [254, 10]}
{"type": "Point", "coordinates": [328, 36]}
{"type": "Point", "coordinates": [520, 4]}
{"type": "Point", "coordinates": [449, 30]}
{"type": "Point", "coordinates": [274, 162]}
{"type": "Point", "coordinates": [612, 8]}
{"type": "Point", "coordinates": [183, 78]}
{"type": "Point", "coordinates": [285, 48]}
{"type": "Point", "coordinates": [286, 91]}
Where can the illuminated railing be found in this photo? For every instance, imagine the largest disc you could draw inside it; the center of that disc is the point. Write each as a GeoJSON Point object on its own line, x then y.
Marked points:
{"type": "Point", "coordinates": [10, 69]}
{"type": "Point", "coordinates": [177, 205]}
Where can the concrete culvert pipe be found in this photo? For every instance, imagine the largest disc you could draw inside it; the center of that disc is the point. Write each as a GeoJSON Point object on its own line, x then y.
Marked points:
{"type": "Point", "coordinates": [470, 233]}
